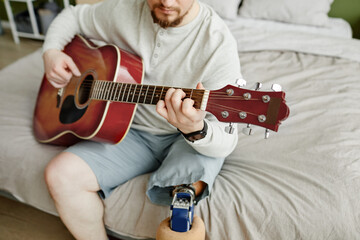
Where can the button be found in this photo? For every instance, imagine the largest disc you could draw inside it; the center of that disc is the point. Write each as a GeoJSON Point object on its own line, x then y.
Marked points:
{"type": "Point", "coordinates": [156, 56]}
{"type": "Point", "coordinates": [158, 44]}
{"type": "Point", "coordinates": [161, 33]}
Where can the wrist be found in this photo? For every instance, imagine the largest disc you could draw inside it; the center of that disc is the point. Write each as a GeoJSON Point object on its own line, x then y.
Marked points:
{"type": "Point", "coordinates": [196, 135]}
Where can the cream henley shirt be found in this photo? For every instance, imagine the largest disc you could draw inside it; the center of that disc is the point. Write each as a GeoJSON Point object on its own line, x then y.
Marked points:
{"type": "Point", "coordinates": [203, 50]}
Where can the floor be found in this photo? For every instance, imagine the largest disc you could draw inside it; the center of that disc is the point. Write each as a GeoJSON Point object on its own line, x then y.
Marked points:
{"type": "Point", "coordinates": [10, 52]}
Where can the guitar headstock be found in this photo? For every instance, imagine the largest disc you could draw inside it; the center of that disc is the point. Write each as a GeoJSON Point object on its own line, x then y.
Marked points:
{"type": "Point", "coordinates": [262, 108]}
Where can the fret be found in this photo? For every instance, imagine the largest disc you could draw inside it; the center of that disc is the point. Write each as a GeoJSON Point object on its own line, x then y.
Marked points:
{"type": "Point", "coordinates": [102, 95]}
{"type": "Point", "coordinates": [147, 89]}
{"type": "Point", "coordinates": [139, 94]}
{"type": "Point", "coordinates": [128, 92]}
{"type": "Point", "coordinates": [112, 90]}
{"type": "Point", "coordinates": [192, 90]}
{"type": "Point", "coordinates": [124, 91]}
{"type": "Point", "coordinates": [107, 91]}
{"type": "Point", "coordinates": [97, 92]}
{"type": "Point", "coordinates": [152, 96]}
{"type": "Point", "coordinates": [93, 93]}
{"type": "Point", "coordinates": [132, 99]}
{"type": "Point", "coordinates": [118, 95]}
{"type": "Point", "coordinates": [147, 99]}
{"type": "Point", "coordinates": [97, 89]}
{"type": "Point", "coordinates": [162, 90]}
{"type": "Point", "coordinates": [116, 89]}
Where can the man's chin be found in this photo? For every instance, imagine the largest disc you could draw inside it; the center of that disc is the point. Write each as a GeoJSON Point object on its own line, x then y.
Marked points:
{"type": "Point", "coordinates": [166, 21]}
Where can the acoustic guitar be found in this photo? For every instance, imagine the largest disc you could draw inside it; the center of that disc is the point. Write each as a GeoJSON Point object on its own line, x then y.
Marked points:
{"type": "Point", "coordinates": [101, 103]}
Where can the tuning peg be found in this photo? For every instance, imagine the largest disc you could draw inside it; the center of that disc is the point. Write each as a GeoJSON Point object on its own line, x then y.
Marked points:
{"type": "Point", "coordinates": [247, 130]}
{"type": "Point", "coordinates": [240, 82]}
{"type": "Point", "coordinates": [258, 85]}
{"type": "Point", "coordinates": [276, 87]}
{"type": "Point", "coordinates": [230, 129]}
{"type": "Point", "coordinates": [267, 133]}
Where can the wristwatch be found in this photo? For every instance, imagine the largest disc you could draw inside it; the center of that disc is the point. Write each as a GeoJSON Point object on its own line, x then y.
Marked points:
{"type": "Point", "coordinates": [197, 135]}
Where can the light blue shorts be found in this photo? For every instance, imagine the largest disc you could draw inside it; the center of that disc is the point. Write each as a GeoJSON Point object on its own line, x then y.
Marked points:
{"type": "Point", "coordinates": [170, 159]}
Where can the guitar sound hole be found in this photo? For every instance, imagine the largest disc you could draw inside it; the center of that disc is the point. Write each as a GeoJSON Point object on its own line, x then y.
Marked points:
{"type": "Point", "coordinates": [85, 89]}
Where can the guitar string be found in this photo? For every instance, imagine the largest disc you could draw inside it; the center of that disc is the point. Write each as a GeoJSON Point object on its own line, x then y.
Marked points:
{"type": "Point", "coordinates": [214, 95]}
{"type": "Point", "coordinates": [230, 109]}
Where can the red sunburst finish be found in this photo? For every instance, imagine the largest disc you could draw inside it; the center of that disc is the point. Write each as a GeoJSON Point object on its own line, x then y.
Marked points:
{"type": "Point", "coordinates": [54, 120]}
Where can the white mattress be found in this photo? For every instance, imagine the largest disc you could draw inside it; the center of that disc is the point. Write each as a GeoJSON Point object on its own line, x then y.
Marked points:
{"type": "Point", "coordinates": [302, 183]}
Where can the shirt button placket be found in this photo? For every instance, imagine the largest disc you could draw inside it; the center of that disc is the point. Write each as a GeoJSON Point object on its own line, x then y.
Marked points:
{"type": "Point", "coordinates": [156, 53]}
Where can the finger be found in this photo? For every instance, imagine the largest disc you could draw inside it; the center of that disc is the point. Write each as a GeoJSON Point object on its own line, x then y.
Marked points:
{"type": "Point", "coordinates": [53, 77]}
{"type": "Point", "coordinates": [56, 85]}
{"type": "Point", "coordinates": [200, 86]}
{"type": "Point", "coordinates": [167, 99]}
{"type": "Point", "coordinates": [161, 109]}
{"type": "Point", "coordinates": [176, 100]}
{"type": "Point", "coordinates": [64, 73]}
{"type": "Point", "coordinates": [72, 66]}
{"type": "Point", "coordinates": [187, 108]}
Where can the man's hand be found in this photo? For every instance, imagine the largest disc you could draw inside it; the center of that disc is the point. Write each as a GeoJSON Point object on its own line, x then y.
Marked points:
{"type": "Point", "coordinates": [180, 112]}
{"type": "Point", "coordinates": [59, 68]}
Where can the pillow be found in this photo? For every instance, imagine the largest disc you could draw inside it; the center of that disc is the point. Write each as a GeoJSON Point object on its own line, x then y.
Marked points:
{"type": "Point", "coordinates": [306, 12]}
{"type": "Point", "coordinates": [228, 10]}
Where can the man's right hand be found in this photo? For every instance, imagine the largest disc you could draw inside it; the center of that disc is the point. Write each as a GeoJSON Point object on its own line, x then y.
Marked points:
{"type": "Point", "coordinates": [59, 68]}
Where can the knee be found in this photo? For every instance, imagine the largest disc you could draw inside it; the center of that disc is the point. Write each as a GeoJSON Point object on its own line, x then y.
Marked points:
{"type": "Point", "coordinates": [59, 174]}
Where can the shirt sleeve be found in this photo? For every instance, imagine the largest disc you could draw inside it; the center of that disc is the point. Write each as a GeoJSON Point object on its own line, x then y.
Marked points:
{"type": "Point", "coordinates": [223, 68]}
{"type": "Point", "coordinates": [85, 19]}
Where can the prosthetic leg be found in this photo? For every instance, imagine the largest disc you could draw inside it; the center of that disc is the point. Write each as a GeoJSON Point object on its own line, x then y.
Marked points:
{"type": "Point", "coordinates": [182, 224]}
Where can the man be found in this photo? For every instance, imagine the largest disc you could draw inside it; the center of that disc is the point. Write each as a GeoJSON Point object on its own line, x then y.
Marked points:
{"type": "Point", "coordinates": [182, 43]}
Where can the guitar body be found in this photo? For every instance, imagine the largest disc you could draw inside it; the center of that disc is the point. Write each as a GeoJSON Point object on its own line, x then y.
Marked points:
{"type": "Point", "coordinates": [65, 116]}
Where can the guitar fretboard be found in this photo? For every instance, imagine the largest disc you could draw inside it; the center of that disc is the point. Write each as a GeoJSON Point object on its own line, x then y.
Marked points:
{"type": "Point", "coordinates": [138, 93]}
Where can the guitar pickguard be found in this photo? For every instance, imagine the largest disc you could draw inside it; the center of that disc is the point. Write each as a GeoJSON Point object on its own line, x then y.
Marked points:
{"type": "Point", "coordinates": [69, 113]}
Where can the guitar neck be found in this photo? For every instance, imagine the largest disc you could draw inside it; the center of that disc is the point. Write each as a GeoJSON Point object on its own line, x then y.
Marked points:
{"type": "Point", "coordinates": [142, 94]}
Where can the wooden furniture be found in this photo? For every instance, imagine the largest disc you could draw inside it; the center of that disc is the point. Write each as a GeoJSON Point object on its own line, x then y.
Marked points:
{"type": "Point", "coordinates": [30, 7]}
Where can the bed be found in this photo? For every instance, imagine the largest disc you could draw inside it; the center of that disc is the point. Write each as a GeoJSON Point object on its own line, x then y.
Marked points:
{"type": "Point", "coordinates": [301, 183]}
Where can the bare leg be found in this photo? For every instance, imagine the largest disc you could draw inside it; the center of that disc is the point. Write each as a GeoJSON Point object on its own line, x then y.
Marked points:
{"type": "Point", "coordinates": [73, 186]}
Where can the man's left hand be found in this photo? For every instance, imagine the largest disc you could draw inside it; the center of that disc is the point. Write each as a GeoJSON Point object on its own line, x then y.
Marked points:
{"type": "Point", "coordinates": [180, 112]}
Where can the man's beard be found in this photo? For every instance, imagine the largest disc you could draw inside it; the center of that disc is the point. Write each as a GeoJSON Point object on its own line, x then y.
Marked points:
{"type": "Point", "coordinates": [165, 23]}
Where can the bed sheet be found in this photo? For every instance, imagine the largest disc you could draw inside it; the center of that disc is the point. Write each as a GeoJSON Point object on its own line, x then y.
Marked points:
{"type": "Point", "coordinates": [302, 183]}
{"type": "Point", "coordinates": [259, 35]}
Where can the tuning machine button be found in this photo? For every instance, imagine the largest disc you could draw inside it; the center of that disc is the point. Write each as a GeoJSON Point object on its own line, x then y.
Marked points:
{"type": "Point", "coordinates": [247, 130]}
{"type": "Point", "coordinates": [240, 82]}
{"type": "Point", "coordinates": [276, 87]}
{"type": "Point", "coordinates": [267, 133]}
{"type": "Point", "coordinates": [258, 85]}
{"type": "Point", "coordinates": [230, 129]}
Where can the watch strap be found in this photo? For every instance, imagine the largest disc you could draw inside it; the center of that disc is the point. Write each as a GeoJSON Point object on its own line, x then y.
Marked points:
{"type": "Point", "coordinates": [197, 135]}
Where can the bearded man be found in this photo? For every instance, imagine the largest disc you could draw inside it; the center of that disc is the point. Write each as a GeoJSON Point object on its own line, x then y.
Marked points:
{"type": "Point", "coordinates": [183, 44]}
